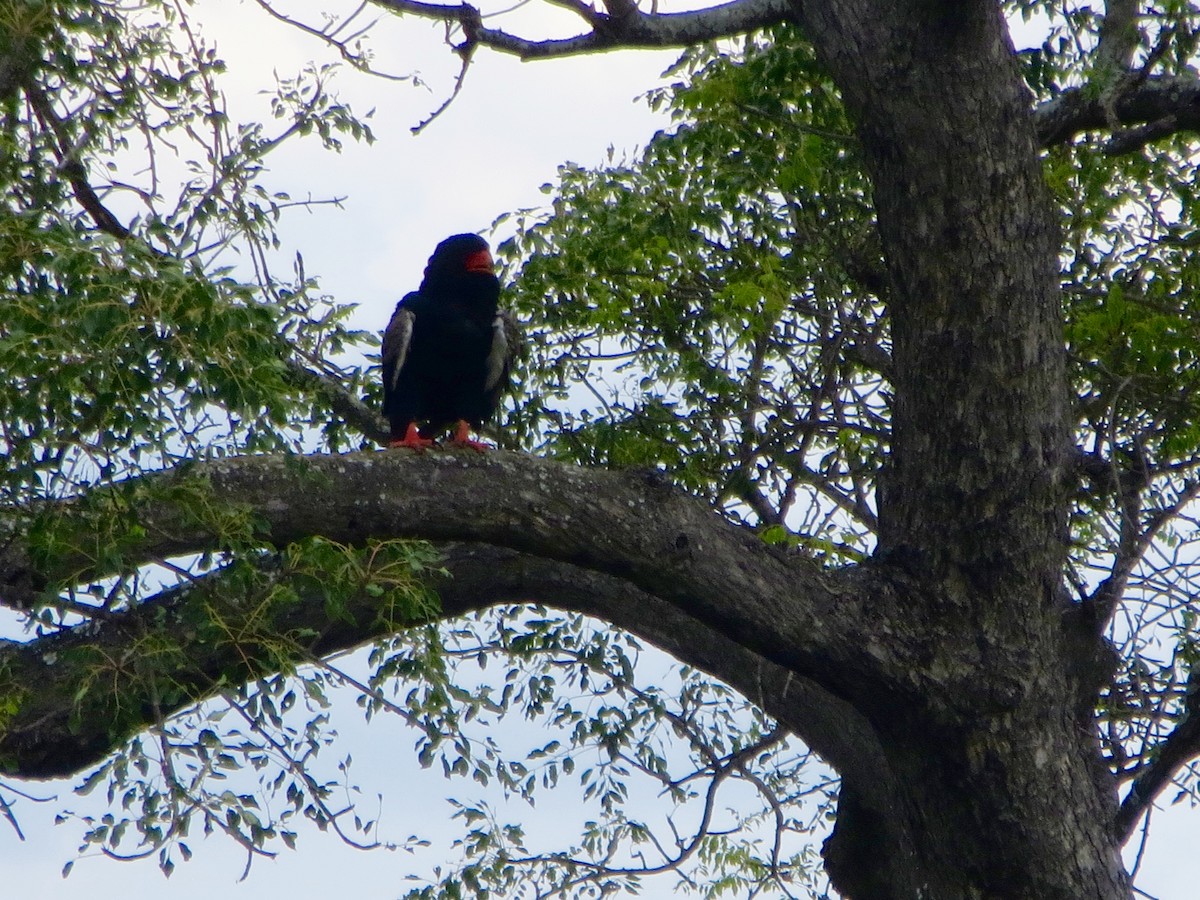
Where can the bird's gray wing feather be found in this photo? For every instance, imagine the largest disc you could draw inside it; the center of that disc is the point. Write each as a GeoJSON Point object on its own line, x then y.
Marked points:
{"type": "Point", "coordinates": [507, 342]}
{"type": "Point", "coordinates": [396, 341]}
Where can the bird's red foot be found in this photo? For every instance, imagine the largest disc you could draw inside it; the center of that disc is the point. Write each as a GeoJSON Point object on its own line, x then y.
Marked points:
{"type": "Point", "coordinates": [412, 439]}
{"type": "Point", "coordinates": [462, 438]}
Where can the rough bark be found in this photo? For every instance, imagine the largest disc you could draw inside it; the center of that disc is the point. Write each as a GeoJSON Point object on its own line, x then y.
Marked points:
{"type": "Point", "coordinates": [631, 529]}
{"type": "Point", "coordinates": [972, 509]}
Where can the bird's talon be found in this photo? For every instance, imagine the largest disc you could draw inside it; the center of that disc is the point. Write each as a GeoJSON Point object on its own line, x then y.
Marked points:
{"type": "Point", "coordinates": [462, 438]}
{"type": "Point", "coordinates": [419, 446]}
{"type": "Point", "coordinates": [412, 440]}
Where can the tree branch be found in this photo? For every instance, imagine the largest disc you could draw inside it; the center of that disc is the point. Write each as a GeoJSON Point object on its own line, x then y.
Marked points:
{"type": "Point", "coordinates": [341, 401]}
{"type": "Point", "coordinates": [629, 525]}
{"type": "Point", "coordinates": [328, 34]}
{"type": "Point", "coordinates": [629, 28]}
{"type": "Point", "coordinates": [1153, 108]}
{"type": "Point", "coordinates": [622, 546]}
{"type": "Point", "coordinates": [1181, 746]}
{"type": "Point", "coordinates": [1133, 546]}
{"type": "Point", "coordinates": [55, 731]}
{"type": "Point", "coordinates": [1119, 37]}
{"type": "Point", "coordinates": [72, 168]}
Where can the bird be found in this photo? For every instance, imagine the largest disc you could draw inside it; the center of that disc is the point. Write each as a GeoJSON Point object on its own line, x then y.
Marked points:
{"type": "Point", "coordinates": [448, 350]}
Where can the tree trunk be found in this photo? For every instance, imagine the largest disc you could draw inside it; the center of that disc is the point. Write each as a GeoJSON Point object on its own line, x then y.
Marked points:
{"type": "Point", "coordinates": [1005, 804]}
{"type": "Point", "coordinates": [997, 787]}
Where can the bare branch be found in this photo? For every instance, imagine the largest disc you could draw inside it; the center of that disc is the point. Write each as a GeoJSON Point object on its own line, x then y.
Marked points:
{"type": "Point", "coordinates": [1180, 747]}
{"type": "Point", "coordinates": [1133, 546]}
{"type": "Point", "coordinates": [343, 403]}
{"type": "Point", "coordinates": [628, 28]}
{"type": "Point", "coordinates": [73, 169]}
{"type": "Point", "coordinates": [341, 44]}
{"type": "Point", "coordinates": [466, 52]}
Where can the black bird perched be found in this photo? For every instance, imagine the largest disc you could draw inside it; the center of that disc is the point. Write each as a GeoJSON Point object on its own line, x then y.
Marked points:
{"type": "Point", "coordinates": [448, 350]}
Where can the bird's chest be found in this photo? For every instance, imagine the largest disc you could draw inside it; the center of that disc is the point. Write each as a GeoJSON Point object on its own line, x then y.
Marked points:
{"type": "Point", "coordinates": [453, 336]}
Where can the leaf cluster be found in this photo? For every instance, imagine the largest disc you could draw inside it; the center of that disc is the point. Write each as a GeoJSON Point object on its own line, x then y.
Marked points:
{"type": "Point", "coordinates": [253, 779]}
{"type": "Point", "coordinates": [129, 341]}
{"type": "Point", "coordinates": [713, 308]}
{"type": "Point", "coordinates": [613, 738]}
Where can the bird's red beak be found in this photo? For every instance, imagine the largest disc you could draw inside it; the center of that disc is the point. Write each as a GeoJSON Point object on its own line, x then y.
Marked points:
{"type": "Point", "coordinates": [480, 262]}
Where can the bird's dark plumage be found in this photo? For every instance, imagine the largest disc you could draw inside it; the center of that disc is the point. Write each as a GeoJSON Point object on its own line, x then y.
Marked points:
{"type": "Point", "coordinates": [448, 349]}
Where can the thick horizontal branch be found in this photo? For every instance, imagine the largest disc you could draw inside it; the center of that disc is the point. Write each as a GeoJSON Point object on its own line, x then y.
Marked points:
{"type": "Point", "coordinates": [59, 728]}
{"type": "Point", "coordinates": [54, 732]}
{"type": "Point", "coordinates": [1147, 110]}
{"type": "Point", "coordinates": [623, 26]}
{"type": "Point", "coordinates": [632, 526]}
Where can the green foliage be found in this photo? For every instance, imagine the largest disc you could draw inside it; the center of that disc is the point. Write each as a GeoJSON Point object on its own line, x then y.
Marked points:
{"type": "Point", "coordinates": [1129, 260]}
{"type": "Point", "coordinates": [612, 741]}
{"type": "Point", "coordinates": [187, 770]}
{"type": "Point", "coordinates": [139, 350]}
{"type": "Point", "coordinates": [1132, 329]}
{"type": "Point", "coordinates": [145, 326]}
{"type": "Point", "coordinates": [717, 299]}
{"type": "Point", "coordinates": [714, 309]}
{"type": "Point", "coordinates": [1130, 271]}
{"type": "Point", "coordinates": [128, 347]}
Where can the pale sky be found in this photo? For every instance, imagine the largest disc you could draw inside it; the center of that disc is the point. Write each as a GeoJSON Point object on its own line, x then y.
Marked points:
{"type": "Point", "coordinates": [503, 138]}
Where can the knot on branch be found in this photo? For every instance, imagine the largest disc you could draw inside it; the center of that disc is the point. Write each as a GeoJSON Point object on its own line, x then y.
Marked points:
{"type": "Point", "coordinates": [472, 25]}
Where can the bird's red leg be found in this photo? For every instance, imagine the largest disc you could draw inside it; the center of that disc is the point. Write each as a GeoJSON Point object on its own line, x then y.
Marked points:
{"type": "Point", "coordinates": [462, 437]}
{"type": "Point", "coordinates": [412, 439]}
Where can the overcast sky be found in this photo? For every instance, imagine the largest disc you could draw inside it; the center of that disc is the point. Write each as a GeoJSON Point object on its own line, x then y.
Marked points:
{"type": "Point", "coordinates": [490, 153]}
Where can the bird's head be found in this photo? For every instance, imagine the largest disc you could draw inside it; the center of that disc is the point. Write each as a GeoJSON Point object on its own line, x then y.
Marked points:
{"type": "Point", "coordinates": [459, 254]}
